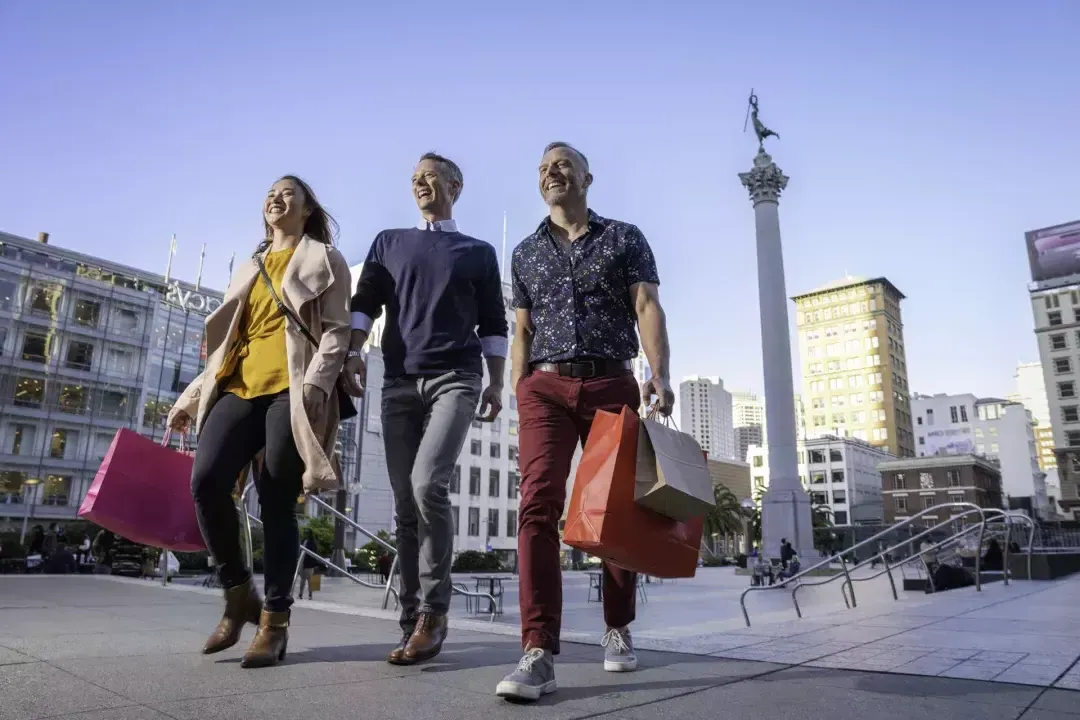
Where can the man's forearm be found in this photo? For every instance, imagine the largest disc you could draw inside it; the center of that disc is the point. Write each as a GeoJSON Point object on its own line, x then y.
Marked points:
{"type": "Point", "coordinates": [519, 357]}
{"type": "Point", "coordinates": [357, 339]}
{"type": "Point", "coordinates": [652, 327]}
{"type": "Point", "coordinates": [496, 367]}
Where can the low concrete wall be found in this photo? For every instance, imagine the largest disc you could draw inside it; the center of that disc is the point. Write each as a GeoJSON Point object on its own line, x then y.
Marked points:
{"type": "Point", "coordinates": [1045, 567]}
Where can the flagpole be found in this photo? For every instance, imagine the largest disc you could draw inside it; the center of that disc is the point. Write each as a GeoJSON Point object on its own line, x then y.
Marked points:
{"type": "Point", "coordinates": [172, 252]}
{"type": "Point", "coordinates": [198, 276]}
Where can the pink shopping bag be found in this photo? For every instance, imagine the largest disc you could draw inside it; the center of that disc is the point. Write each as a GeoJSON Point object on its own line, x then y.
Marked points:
{"type": "Point", "coordinates": [142, 492]}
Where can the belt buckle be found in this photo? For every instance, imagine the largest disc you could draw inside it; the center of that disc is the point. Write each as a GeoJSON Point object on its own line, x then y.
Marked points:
{"type": "Point", "coordinates": [590, 364]}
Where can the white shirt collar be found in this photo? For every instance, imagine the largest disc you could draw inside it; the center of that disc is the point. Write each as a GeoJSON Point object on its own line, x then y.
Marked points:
{"type": "Point", "coordinates": [443, 225]}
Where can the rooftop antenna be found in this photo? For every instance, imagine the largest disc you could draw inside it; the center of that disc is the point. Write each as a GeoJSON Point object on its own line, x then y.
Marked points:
{"type": "Point", "coordinates": [502, 271]}
{"type": "Point", "coordinates": [198, 276]}
{"type": "Point", "coordinates": [172, 252]}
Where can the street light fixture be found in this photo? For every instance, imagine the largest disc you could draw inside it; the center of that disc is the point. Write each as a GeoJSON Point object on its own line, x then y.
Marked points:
{"type": "Point", "coordinates": [28, 484]}
{"type": "Point", "coordinates": [748, 507]}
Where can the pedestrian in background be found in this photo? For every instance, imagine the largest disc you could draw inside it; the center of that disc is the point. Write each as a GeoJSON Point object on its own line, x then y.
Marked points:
{"type": "Point", "coordinates": [585, 288]}
{"type": "Point", "coordinates": [268, 390]}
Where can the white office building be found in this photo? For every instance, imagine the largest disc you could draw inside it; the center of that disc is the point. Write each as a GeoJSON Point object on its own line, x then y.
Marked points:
{"type": "Point", "coordinates": [840, 473]}
{"type": "Point", "coordinates": [1031, 392]}
{"type": "Point", "coordinates": [748, 421]}
{"type": "Point", "coordinates": [1000, 430]}
{"type": "Point", "coordinates": [705, 412]}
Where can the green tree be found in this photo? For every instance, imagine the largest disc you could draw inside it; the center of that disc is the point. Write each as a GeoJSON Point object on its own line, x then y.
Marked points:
{"type": "Point", "coordinates": [725, 520]}
{"type": "Point", "coordinates": [323, 530]}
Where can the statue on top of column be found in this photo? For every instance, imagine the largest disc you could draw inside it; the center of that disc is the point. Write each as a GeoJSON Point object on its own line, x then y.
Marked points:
{"type": "Point", "coordinates": [760, 130]}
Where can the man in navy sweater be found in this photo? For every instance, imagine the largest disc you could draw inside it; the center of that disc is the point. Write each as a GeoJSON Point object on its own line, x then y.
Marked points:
{"type": "Point", "coordinates": [442, 293]}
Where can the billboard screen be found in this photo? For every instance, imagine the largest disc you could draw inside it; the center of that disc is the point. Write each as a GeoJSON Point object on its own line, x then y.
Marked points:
{"type": "Point", "coordinates": [1054, 251]}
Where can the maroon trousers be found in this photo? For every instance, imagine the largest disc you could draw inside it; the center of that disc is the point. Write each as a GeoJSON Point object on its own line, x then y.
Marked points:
{"type": "Point", "coordinates": [555, 414]}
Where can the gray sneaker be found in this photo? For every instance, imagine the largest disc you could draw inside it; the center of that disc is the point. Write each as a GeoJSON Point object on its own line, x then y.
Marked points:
{"type": "Point", "coordinates": [619, 651]}
{"type": "Point", "coordinates": [534, 676]}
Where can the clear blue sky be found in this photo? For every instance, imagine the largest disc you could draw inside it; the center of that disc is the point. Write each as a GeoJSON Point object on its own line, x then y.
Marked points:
{"type": "Point", "coordinates": [922, 139]}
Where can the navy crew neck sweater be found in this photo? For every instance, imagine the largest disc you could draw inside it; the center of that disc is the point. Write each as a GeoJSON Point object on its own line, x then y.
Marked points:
{"type": "Point", "coordinates": [443, 297]}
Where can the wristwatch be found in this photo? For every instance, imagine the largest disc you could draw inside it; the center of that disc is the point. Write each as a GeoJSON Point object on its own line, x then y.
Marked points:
{"type": "Point", "coordinates": [354, 354]}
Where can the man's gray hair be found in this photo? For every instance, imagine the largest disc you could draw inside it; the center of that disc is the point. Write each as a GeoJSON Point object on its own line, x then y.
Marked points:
{"type": "Point", "coordinates": [449, 167]}
{"type": "Point", "coordinates": [571, 148]}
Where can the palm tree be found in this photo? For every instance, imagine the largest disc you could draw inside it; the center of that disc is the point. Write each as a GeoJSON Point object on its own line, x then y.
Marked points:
{"type": "Point", "coordinates": [725, 520]}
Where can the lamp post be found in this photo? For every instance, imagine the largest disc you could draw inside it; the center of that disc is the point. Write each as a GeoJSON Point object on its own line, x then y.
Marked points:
{"type": "Point", "coordinates": [29, 487]}
{"type": "Point", "coordinates": [748, 508]}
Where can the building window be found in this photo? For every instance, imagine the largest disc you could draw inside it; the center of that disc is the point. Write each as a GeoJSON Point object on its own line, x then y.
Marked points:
{"type": "Point", "coordinates": [954, 414]}
{"type": "Point", "coordinates": [477, 424]}
{"type": "Point", "coordinates": [72, 399]}
{"type": "Point", "coordinates": [513, 427]}
{"type": "Point", "coordinates": [901, 504]}
{"type": "Point", "coordinates": [22, 439]}
{"type": "Point", "coordinates": [1057, 342]}
{"type": "Point", "coordinates": [758, 461]}
{"type": "Point", "coordinates": [512, 453]}
{"type": "Point", "coordinates": [899, 482]}
{"type": "Point", "coordinates": [119, 361]}
{"type": "Point", "coordinates": [7, 294]}
{"type": "Point", "coordinates": [60, 440]}
{"type": "Point", "coordinates": [493, 483]}
{"type": "Point", "coordinates": [455, 513]}
{"type": "Point", "coordinates": [474, 522]}
{"type": "Point", "coordinates": [474, 481]}
{"type": "Point", "coordinates": [817, 478]}
{"type": "Point", "coordinates": [45, 299]}
{"type": "Point", "coordinates": [1070, 413]}
{"type": "Point", "coordinates": [29, 392]}
{"type": "Point", "coordinates": [835, 456]}
{"type": "Point", "coordinates": [1062, 365]}
{"type": "Point", "coordinates": [124, 321]}
{"type": "Point", "coordinates": [511, 523]}
{"type": "Point", "coordinates": [56, 490]}
{"type": "Point", "coordinates": [840, 517]}
{"type": "Point", "coordinates": [455, 480]}
{"type": "Point", "coordinates": [839, 496]}
{"type": "Point", "coordinates": [1067, 389]}
{"type": "Point", "coordinates": [513, 401]}
{"type": "Point", "coordinates": [495, 450]}
{"type": "Point", "coordinates": [838, 476]}
{"type": "Point", "coordinates": [928, 502]}
{"type": "Point", "coordinates": [817, 457]}
{"type": "Point", "coordinates": [954, 478]}
{"type": "Point", "coordinates": [87, 313]}
{"type": "Point", "coordinates": [513, 485]}
{"type": "Point", "coordinates": [80, 355]}
{"type": "Point", "coordinates": [1053, 318]}
{"type": "Point", "coordinates": [476, 447]}
{"type": "Point", "coordinates": [493, 523]}
{"type": "Point", "coordinates": [963, 413]}
{"type": "Point", "coordinates": [36, 347]}
{"type": "Point", "coordinates": [819, 498]}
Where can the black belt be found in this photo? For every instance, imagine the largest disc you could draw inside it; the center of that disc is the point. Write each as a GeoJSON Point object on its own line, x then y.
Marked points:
{"type": "Point", "coordinates": [584, 368]}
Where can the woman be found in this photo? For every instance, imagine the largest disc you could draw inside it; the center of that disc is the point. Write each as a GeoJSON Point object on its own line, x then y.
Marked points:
{"type": "Point", "coordinates": [268, 390]}
{"type": "Point", "coordinates": [310, 563]}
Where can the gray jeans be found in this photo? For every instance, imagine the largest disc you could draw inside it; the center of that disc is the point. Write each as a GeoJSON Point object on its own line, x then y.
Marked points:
{"type": "Point", "coordinates": [425, 422]}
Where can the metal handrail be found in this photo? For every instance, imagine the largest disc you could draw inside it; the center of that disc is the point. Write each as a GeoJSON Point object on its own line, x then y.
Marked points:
{"type": "Point", "coordinates": [999, 515]}
{"type": "Point", "coordinates": [847, 571]}
{"type": "Point", "coordinates": [385, 545]}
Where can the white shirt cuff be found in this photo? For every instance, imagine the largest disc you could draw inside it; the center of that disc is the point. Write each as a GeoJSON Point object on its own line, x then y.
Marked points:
{"type": "Point", "coordinates": [495, 346]}
{"type": "Point", "coordinates": [360, 321]}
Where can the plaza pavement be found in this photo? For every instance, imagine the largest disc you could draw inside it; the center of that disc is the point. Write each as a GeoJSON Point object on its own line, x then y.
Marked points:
{"type": "Point", "coordinates": [98, 647]}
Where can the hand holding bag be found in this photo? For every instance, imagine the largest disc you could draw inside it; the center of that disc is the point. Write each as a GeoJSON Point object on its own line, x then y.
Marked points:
{"type": "Point", "coordinates": [346, 406]}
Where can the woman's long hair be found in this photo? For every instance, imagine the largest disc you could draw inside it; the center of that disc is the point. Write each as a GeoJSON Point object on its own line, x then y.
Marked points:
{"type": "Point", "coordinates": [320, 225]}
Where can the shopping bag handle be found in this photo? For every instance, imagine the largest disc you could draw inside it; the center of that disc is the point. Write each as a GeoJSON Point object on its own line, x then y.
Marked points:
{"type": "Point", "coordinates": [183, 440]}
{"type": "Point", "coordinates": [665, 420]}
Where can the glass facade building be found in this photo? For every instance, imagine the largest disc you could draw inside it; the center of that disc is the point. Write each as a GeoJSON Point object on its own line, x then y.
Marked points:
{"type": "Point", "coordinates": [87, 347]}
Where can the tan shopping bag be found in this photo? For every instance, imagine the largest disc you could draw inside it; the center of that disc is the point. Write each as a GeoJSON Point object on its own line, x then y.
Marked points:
{"type": "Point", "coordinates": [672, 473]}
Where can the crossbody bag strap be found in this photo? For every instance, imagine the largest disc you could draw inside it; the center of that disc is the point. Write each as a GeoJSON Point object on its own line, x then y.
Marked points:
{"type": "Point", "coordinates": [289, 314]}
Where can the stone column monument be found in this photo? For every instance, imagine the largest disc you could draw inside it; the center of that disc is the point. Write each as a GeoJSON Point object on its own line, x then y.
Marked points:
{"type": "Point", "coordinates": [785, 511]}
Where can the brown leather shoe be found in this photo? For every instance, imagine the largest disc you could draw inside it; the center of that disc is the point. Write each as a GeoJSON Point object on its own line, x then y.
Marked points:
{"type": "Point", "coordinates": [427, 640]}
{"type": "Point", "coordinates": [271, 640]}
{"type": "Point", "coordinates": [397, 655]}
{"type": "Point", "coordinates": [242, 605]}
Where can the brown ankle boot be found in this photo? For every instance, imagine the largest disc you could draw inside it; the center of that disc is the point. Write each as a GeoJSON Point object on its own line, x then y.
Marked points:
{"type": "Point", "coordinates": [268, 647]}
{"type": "Point", "coordinates": [427, 640]}
{"type": "Point", "coordinates": [242, 605]}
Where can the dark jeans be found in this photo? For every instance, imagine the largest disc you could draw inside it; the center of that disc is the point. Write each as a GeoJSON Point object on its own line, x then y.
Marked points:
{"type": "Point", "coordinates": [555, 414]}
{"type": "Point", "coordinates": [235, 431]}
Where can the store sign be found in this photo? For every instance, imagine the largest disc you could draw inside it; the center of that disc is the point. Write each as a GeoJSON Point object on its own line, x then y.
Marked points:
{"type": "Point", "coordinates": [191, 300]}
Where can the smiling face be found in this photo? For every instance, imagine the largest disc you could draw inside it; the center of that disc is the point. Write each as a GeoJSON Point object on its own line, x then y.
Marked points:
{"type": "Point", "coordinates": [285, 207]}
{"type": "Point", "coordinates": [563, 176]}
{"type": "Point", "coordinates": [433, 188]}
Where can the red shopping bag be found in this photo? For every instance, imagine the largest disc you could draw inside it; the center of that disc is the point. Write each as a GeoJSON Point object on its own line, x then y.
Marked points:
{"type": "Point", "coordinates": [142, 492]}
{"type": "Point", "coordinates": [605, 521]}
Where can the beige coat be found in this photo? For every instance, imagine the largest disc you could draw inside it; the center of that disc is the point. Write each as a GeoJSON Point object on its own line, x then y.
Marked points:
{"type": "Point", "coordinates": [316, 286]}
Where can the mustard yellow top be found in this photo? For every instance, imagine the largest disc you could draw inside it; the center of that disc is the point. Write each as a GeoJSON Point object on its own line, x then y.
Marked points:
{"type": "Point", "coordinates": [257, 364]}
